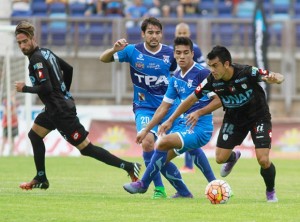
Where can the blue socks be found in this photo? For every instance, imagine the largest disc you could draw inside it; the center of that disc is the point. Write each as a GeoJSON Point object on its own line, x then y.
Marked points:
{"type": "Point", "coordinates": [188, 160]}
{"type": "Point", "coordinates": [157, 178]}
{"type": "Point", "coordinates": [202, 163]}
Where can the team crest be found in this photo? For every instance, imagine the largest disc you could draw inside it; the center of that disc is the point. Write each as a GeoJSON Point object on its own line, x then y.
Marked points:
{"type": "Point", "coordinates": [166, 59]}
{"type": "Point", "coordinates": [41, 75]}
{"type": "Point", "coordinates": [141, 96]}
{"type": "Point", "coordinates": [76, 135]}
{"type": "Point", "coordinates": [244, 86]}
{"type": "Point", "coordinates": [139, 65]}
{"type": "Point", "coordinates": [190, 83]}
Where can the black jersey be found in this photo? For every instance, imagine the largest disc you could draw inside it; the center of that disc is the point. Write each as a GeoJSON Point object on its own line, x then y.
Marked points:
{"type": "Point", "coordinates": [51, 79]}
{"type": "Point", "coordinates": [243, 99]}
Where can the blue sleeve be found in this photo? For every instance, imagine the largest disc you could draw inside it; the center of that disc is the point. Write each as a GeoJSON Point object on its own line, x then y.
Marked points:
{"type": "Point", "coordinates": [125, 54]}
{"type": "Point", "coordinates": [171, 91]}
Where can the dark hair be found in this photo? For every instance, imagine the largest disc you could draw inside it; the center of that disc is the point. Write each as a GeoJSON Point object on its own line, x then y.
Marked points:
{"type": "Point", "coordinates": [221, 52]}
{"type": "Point", "coordinates": [152, 21]}
{"type": "Point", "coordinates": [26, 28]}
{"type": "Point", "coordinates": [183, 41]}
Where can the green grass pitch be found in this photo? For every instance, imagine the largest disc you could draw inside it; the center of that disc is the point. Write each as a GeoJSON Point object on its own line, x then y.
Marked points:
{"type": "Point", "coordinates": [82, 189]}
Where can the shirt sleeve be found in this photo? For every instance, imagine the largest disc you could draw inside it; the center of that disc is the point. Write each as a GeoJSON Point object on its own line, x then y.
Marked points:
{"type": "Point", "coordinates": [125, 54]}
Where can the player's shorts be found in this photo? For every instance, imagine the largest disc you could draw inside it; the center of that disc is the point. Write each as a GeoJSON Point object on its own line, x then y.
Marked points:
{"type": "Point", "coordinates": [231, 135]}
{"type": "Point", "coordinates": [144, 116]}
{"type": "Point", "coordinates": [66, 123]}
{"type": "Point", "coordinates": [14, 131]}
{"type": "Point", "coordinates": [193, 139]}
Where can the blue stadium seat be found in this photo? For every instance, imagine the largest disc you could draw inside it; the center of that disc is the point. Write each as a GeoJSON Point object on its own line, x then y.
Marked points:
{"type": "Point", "coordinates": [58, 29]}
{"type": "Point", "coordinates": [57, 7]}
{"type": "Point", "coordinates": [98, 32]}
{"type": "Point", "coordinates": [39, 9]}
{"type": "Point", "coordinates": [134, 35]}
{"type": "Point", "coordinates": [207, 8]}
{"type": "Point", "coordinates": [224, 10]}
{"type": "Point", "coordinates": [245, 9]}
{"type": "Point", "coordinates": [76, 9]}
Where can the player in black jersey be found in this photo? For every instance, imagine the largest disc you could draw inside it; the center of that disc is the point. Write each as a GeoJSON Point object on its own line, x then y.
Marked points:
{"type": "Point", "coordinates": [246, 109]}
{"type": "Point", "coordinates": [51, 79]}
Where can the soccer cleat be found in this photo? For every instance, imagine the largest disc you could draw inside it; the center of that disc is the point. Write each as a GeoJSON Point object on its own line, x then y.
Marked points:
{"type": "Point", "coordinates": [159, 193]}
{"type": "Point", "coordinates": [227, 167]}
{"type": "Point", "coordinates": [135, 187]}
{"type": "Point", "coordinates": [178, 195]}
{"type": "Point", "coordinates": [135, 172]}
{"type": "Point", "coordinates": [271, 197]}
{"type": "Point", "coordinates": [187, 170]}
{"type": "Point", "coordinates": [34, 184]}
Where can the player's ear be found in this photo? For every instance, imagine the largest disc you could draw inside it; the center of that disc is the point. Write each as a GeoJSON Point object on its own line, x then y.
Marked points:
{"type": "Point", "coordinates": [226, 64]}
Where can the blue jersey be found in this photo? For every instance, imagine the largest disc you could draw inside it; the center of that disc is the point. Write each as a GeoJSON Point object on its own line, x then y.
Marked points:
{"type": "Point", "coordinates": [150, 73]}
{"type": "Point", "coordinates": [181, 87]}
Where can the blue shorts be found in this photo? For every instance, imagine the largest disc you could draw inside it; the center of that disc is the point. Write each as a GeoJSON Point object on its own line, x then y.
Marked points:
{"type": "Point", "coordinates": [193, 139]}
{"type": "Point", "coordinates": [144, 116]}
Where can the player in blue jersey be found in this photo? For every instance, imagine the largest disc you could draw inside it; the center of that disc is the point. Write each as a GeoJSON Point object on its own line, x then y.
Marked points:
{"type": "Point", "coordinates": [151, 64]}
{"type": "Point", "coordinates": [183, 30]}
{"type": "Point", "coordinates": [182, 137]}
{"type": "Point", "coordinates": [246, 109]}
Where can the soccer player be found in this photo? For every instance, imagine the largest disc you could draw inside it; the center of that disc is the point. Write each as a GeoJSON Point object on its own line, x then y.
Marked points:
{"type": "Point", "coordinates": [151, 64]}
{"type": "Point", "coordinates": [183, 30]}
{"type": "Point", "coordinates": [246, 109]}
{"type": "Point", "coordinates": [183, 137]}
{"type": "Point", "coordinates": [51, 79]}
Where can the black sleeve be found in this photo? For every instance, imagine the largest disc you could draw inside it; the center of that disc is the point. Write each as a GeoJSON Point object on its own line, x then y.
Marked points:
{"type": "Point", "coordinates": [44, 88]}
{"type": "Point", "coordinates": [67, 72]}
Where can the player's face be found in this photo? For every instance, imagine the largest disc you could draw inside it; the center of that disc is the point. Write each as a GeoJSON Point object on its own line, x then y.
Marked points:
{"type": "Point", "coordinates": [152, 36]}
{"type": "Point", "coordinates": [26, 44]}
{"type": "Point", "coordinates": [182, 32]}
{"type": "Point", "coordinates": [218, 70]}
{"type": "Point", "coordinates": [184, 56]}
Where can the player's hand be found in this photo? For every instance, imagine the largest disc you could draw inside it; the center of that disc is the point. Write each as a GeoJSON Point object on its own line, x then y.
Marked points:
{"type": "Point", "coordinates": [19, 86]}
{"type": "Point", "coordinates": [192, 119]}
{"type": "Point", "coordinates": [164, 127]}
{"type": "Point", "coordinates": [273, 78]}
{"type": "Point", "coordinates": [120, 44]}
{"type": "Point", "coordinates": [140, 136]}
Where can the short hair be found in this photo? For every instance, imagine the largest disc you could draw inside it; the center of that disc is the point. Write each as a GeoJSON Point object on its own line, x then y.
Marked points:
{"type": "Point", "coordinates": [26, 28]}
{"type": "Point", "coordinates": [221, 52]}
{"type": "Point", "coordinates": [183, 41]}
{"type": "Point", "coordinates": [152, 21]}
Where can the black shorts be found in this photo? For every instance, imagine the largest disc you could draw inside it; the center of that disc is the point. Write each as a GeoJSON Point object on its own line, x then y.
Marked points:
{"type": "Point", "coordinates": [231, 135]}
{"type": "Point", "coordinates": [14, 131]}
{"type": "Point", "coordinates": [67, 124]}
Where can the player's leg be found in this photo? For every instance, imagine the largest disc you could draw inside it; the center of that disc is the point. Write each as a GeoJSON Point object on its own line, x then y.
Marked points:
{"type": "Point", "coordinates": [158, 163]}
{"type": "Point", "coordinates": [142, 118]}
{"type": "Point", "coordinates": [41, 127]}
{"type": "Point", "coordinates": [229, 136]}
{"type": "Point", "coordinates": [261, 135]}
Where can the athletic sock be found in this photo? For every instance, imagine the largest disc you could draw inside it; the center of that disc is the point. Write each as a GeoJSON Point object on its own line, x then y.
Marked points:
{"type": "Point", "coordinates": [157, 178]}
{"type": "Point", "coordinates": [202, 163]}
{"type": "Point", "coordinates": [157, 161]}
{"type": "Point", "coordinates": [188, 160]}
{"type": "Point", "coordinates": [231, 157]}
{"type": "Point", "coordinates": [106, 157]}
{"type": "Point", "coordinates": [269, 177]}
{"type": "Point", "coordinates": [172, 174]}
{"type": "Point", "coordinates": [39, 151]}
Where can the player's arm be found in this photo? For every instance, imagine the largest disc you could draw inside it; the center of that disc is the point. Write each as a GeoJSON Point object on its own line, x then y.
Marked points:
{"type": "Point", "coordinates": [108, 55]}
{"type": "Point", "coordinates": [273, 77]}
{"type": "Point", "coordinates": [193, 117]}
{"type": "Point", "coordinates": [44, 87]}
{"type": "Point", "coordinates": [156, 119]}
{"type": "Point", "coordinates": [67, 72]}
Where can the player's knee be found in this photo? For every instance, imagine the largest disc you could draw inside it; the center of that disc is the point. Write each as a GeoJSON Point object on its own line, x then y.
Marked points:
{"type": "Point", "coordinates": [164, 144]}
{"type": "Point", "coordinates": [264, 162]}
{"type": "Point", "coordinates": [33, 136]}
{"type": "Point", "coordinates": [148, 145]}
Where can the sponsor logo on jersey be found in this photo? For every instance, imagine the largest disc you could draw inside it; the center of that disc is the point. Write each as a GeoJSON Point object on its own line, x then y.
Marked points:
{"type": "Point", "coordinates": [140, 57]}
{"type": "Point", "coordinates": [166, 59]}
{"type": "Point", "coordinates": [41, 75]}
{"type": "Point", "coordinates": [153, 66]}
{"type": "Point", "coordinates": [139, 65]}
{"type": "Point", "coordinates": [141, 96]}
{"type": "Point", "coordinates": [152, 80]}
{"type": "Point", "coordinates": [263, 72]}
{"type": "Point", "coordinates": [38, 65]}
{"type": "Point", "coordinates": [76, 135]}
{"type": "Point", "coordinates": [45, 54]}
{"type": "Point", "coordinates": [231, 88]}
{"type": "Point", "coordinates": [240, 98]}
{"type": "Point", "coordinates": [254, 71]}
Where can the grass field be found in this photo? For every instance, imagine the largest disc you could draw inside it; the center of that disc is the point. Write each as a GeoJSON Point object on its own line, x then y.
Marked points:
{"type": "Point", "coordinates": [82, 189]}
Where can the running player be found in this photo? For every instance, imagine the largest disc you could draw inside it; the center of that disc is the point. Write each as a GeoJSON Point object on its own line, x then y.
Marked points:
{"type": "Point", "coordinates": [246, 109]}
{"type": "Point", "coordinates": [51, 78]}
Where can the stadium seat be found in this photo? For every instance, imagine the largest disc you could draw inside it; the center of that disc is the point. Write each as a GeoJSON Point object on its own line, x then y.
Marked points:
{"type": "Point", "coordinates": [224, 10]}
{"type": "Point", "coordinates": [207, 8]}
{"type": "Point", "coordinates": [58, 29]}
{"type": "Point", "coordinates": [245, 9]}
{"type": "Point", "coordinates": [57, 7]}
{"type": "Point", "coordinates": [39, 9]}
{"type": "Point", "coordinates": [134, 35]}
{"type": "Point", "coordinates": [76, 9]}
{"type": "Point", "coordinates": [99, 33]}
